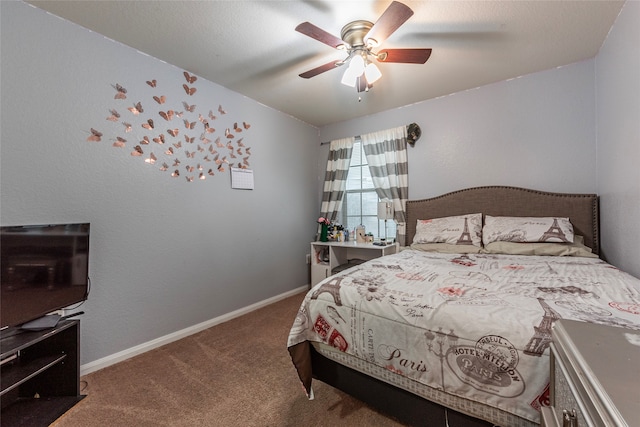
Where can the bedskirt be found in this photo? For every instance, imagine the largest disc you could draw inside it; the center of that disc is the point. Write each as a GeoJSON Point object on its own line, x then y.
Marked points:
{"type": "Point", "coordinates": [474, 409]}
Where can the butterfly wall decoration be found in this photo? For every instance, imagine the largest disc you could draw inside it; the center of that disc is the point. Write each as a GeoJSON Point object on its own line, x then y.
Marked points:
{"type": "Point", "coordinates": [136, 109]}
{"type": "Point", "coordinates": [151, 159]}
{"type": "Point", "coordinates": [137, 151]}
{"type": "Point", "coordinates": [138, 121]}
{"type": "Point", "coordinates": [190, 79]}
{"type": "Point", "coordinates": [167, 115]}
{"type": "Point", "coordinates": [121, 93]}
{"type": "Point", "coordinates": [190, 90]}
{"type": "Point", "coordinates": [120, 142]}
{"type": "Point", "coordinates": [95, 136]}
{"type": "Point", "coordinates": [114, 117]}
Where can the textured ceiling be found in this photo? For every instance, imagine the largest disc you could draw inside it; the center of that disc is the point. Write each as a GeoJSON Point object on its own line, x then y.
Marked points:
{"type": "Point", "coordinates": [252, 47]}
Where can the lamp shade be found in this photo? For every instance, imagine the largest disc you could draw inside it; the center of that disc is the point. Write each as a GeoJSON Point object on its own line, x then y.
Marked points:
{"type": "Point", "coordinates": [372, 73]}
{"type": "Point", "coordinates": [349, 78]}
{"type": "Point", "coordinates": [357, 65]}
{"type": "Point", "coordinates": [385, 209]}
{"type": "Point", "coordinates": [355, 70]}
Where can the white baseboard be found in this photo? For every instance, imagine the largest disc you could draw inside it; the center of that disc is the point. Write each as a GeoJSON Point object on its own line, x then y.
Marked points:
{"type": "Point", "coordinates": [96, 365]}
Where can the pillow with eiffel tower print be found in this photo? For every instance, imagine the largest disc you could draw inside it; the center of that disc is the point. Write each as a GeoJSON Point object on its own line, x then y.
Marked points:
{"type": "Point", "coordinates": [575, 249]}
{"type": "Point", "coordinates": [526, 229]}
{"type": "Point", "coordinates": [455, 230]}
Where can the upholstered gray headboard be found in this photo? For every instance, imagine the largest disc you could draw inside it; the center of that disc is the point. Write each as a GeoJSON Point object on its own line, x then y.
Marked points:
{"type": "Point", "coordinates": [581, 209]}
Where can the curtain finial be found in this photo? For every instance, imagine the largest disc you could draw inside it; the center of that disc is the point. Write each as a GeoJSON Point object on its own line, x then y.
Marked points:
{"type": "Point", "coordinates": [413, 133]}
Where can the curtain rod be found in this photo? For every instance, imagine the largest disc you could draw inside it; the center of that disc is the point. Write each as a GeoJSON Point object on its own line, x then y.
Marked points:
{"type": "Point", "coordinates": [411, 128]}
{"type": "Point", "coordinates": [329, 142]}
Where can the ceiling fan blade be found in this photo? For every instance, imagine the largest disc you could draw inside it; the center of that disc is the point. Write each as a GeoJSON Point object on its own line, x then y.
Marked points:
{"type": "Point", "coordinates": [308, 29]}
{"type": "Point", "coordinates": [406, 56]}
{"type": "Point", "coordinates": [390, 20]}
{"type": "Point", "coordinates": [321, 69]}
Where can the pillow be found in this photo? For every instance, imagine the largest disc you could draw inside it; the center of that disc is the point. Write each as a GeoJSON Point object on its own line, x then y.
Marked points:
{"type": "Point", "coordinates": [526, 229]}
{"type": "Point", "coordinates": [577, 248]}
{"type": "Point", "coordinates": [447, 248]}
{"type": "Point", "coordinates": [455, 230]}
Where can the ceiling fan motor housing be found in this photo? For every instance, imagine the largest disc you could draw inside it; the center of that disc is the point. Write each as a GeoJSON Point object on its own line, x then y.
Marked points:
{"type": "Point", "coordinates": [353, 33]}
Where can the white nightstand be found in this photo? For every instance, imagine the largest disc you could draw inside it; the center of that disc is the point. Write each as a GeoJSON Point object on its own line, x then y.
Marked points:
{"type": "Point", "coordinates": [595, 376]}
{"type": "Point", "coordinates": [326, 256]}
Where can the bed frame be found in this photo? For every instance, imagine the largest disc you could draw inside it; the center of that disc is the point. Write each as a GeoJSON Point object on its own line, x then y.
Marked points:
{"type": "Point", "coordinates": [582, 209]}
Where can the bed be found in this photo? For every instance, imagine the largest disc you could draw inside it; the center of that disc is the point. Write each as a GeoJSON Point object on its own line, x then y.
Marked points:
{"type": "Point", "coordinates": [457, 331]}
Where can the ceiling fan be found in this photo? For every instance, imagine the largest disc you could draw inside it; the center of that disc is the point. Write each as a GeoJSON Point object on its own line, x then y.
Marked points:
{"type": "Point", "coordinates": [359, 39]}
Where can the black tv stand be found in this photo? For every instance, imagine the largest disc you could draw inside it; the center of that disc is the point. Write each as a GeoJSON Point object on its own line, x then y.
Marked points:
{"type": "Point", "coordinates": [40, 374]}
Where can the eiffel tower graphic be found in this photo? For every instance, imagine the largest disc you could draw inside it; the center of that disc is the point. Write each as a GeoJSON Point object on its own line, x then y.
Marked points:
{"type": "Point", "coordinates": [542, 336]}
{"type": "Point", "coordinates": [465, 237]}
{"type": "Point", "coordinates": [332, 287]}
{"type": "Point", "coordinates": [554, 232]}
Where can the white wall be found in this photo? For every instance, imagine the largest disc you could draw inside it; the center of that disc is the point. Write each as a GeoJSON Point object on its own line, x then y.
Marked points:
{"type": "Point", "coordinates": [536, 131]}
{"type": "Point", "coordinates": [618, 136]}
{"type": "Point", "coordinates": [165, 254]}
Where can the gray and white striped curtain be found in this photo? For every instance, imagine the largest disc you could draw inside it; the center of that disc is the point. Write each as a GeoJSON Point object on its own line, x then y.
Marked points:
{"type": "Point", "coordinates": [335, 179]}
{"type": "Point", "coordinates": [386, 153]}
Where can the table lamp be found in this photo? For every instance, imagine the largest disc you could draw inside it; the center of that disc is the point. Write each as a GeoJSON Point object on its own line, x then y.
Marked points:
{"type": "Point", "coordinates": [385, 212]}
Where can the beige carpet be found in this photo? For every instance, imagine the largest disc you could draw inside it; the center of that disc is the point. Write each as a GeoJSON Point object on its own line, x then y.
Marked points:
{"type": "Point", "coordinates": [235, 374]}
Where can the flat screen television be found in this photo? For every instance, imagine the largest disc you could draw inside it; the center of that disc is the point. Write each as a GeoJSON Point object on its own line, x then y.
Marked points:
{"type": "Point", "coordinates": [44, 268]}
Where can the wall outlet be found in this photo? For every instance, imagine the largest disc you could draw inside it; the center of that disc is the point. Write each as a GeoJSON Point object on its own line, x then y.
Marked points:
{"type": "Point", "coordinates": [308, 258]}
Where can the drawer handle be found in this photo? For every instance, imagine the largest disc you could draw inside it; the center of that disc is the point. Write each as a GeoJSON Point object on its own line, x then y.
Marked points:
{"type": "Point", "coordinates": [569, 419]}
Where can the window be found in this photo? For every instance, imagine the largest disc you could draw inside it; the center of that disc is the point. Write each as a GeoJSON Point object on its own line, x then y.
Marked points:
{"type": "Point", "coordinates": [360, 204]}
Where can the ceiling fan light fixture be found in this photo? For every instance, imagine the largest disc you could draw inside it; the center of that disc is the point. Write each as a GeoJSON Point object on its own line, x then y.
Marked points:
{"type": "Point", "coordinates": [372, 73]}
{"type": "Point", "coordinates": [357, 65]}
{"type": "Point", "coordinates": [359, 39]}
{"type": "Point", "coordinates": [349, 78]}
